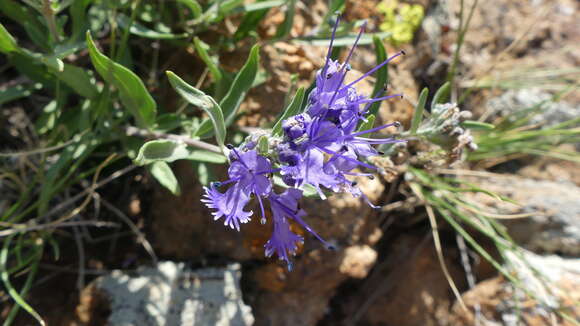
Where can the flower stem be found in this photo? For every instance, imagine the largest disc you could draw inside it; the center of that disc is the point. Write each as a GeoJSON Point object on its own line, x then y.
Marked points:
{"type": "Point", "coordinates": [134, 131]}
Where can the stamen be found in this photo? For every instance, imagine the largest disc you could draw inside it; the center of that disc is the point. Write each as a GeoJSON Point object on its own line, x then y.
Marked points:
{"type": "Point", "coordinates": [223, 183]}
{"type": "Point", "coordinates": [368, 166]}
{"type": "Point", "coordinates": [292, 214]}
{"type": "Point", "coordinates": [377, 140]}
{"type": "Point", "coordinates": [362, 30]}
{"type": "Point", "coordinates": [370, 72]}
{"type": "Point", "coordinates": [269, 171]}
{"type": "Point", "coordinates": [263, 219]}
{"type": "Point", "coordinates": [395, 124]}
{"type": "Point", "coordinates": [358, 174]}
{"type": "Point", "coordinates": [325, 68]}
{"type": "Point", "coordinates": [239, 158]}
{"type": "Point", "coordinates": [378, 99]}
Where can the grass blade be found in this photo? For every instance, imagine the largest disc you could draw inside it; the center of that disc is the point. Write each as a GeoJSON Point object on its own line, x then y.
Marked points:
{"type": "Point", "coordinates": [11, 291]}
{"type": "Point", "coordinates": [418, 113]}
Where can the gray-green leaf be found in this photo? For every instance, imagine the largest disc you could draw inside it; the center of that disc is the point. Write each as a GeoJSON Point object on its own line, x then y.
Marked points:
{"type": "Point", "coordinates": [168, 150]}
{"type": "Point", "coordinates": [241, 84]}
{"type": "Point", "coordinates": [163, 173]}
{"type": "Point", "coordinates": [205, 102]}
{"type": "Point", "coordinates": [132, 91]}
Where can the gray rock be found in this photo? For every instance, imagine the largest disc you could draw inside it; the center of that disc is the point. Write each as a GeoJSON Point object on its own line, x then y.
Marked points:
{"type": "Point", "coordinates": [553, 225]}
{"type": "Point", "coordinates": [170, 294]}
{"type": "Point", "coordinates": [513, 101]}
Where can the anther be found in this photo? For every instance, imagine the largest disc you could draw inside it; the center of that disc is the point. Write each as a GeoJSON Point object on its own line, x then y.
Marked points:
{"type": "Point", "coordinates": [403, 52]}
{"type": "Point", "coordinates": [371, 177]}
{"type": "Point", "coordinates": [381, 153]}
{"type": "Point", "coordinates": [397, 124]}
{"type": "Point", "coordinates": [230, 146]}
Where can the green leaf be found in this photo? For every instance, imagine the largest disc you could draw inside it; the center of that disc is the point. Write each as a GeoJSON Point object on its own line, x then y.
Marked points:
{"type": "Point", "coordinates": [286, 26]}
{"type": "Point", "coordinates": [140, 30]}
{"type": "Point", "coordinates": [369, 124]}
{"type": "Point", "coordinates": [292, 109]}
{"type": "Point", "coordinates": [7, 42]}
{"type": "Point", "coordinates": [476, 125]}
{"type": "Point", "coordinates": [441, 95]}
{"type": "Point", "coordinates": [132, 91]}
{"type": "Point", "coordinates": [167, 150]}
{"type": "Point", "coordinates": [382, 74]}
{"type": "Point", "coordinates": [201, 49]}
{"type": "Point", "coordinates": [78, 79]}
{"type": "Point", "coordinates": [205, 102]}
{"type": "Point", "coordinates": [241, 84]}
{"type": "Point", "coordinates": [418, 113]}
{"type": "Point", "coordinates": [163, 173]}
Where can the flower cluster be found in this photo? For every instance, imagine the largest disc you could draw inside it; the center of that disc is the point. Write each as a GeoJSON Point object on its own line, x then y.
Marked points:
{"type": "Point", "coordinates": [320, 147]}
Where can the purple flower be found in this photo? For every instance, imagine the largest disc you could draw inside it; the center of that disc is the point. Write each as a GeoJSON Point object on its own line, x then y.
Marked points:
{"type": "Point", "coordinates": [229, 204]}
{"type": "Point", "coordinates": [320, 148]}
{"type": "Point", "coordinates": [284, 241]}
{"type": "Point", "coordinates": [247, 174]}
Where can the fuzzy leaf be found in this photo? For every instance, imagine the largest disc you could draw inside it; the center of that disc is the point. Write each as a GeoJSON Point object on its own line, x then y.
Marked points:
{"type": "Point", "coordinates": [163, 173]}
{"type": "Point", "coordinates": [132, 91]}
{"type": "Point", "coordinates": [241, 84]}
{"type": "Point", "coordinates": [205, 102]}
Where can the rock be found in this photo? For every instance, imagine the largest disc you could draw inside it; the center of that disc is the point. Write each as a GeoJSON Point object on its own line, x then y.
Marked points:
{"type": "Point", "coordinates": [547, 168]}
{"type": "Point", "coordinates": [501, 304]}
{"type": "Point", "coordinates": [168, 294]}
{"type": "Point", "coordinates": [357, 261]}
{"type": "Point", "coordinates": [553, 224]}
{"type": "Point", "coordinates": [406, 288]}
{"type": "Point", "coordinates": [513, 101]}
